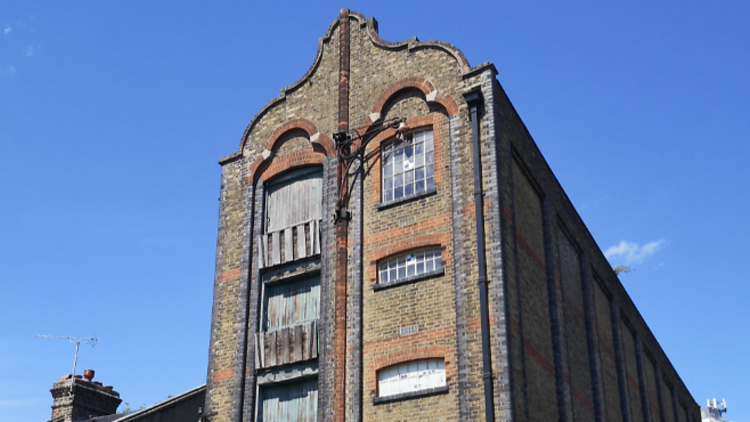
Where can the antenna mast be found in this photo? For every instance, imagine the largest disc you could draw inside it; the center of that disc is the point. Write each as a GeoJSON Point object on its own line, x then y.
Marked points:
{"type": "Point", "coordinates": [77, 341]}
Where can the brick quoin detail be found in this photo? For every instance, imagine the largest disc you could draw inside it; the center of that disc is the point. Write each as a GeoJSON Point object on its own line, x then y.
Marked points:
{"type": "Point", "coordinates": [433, 119]}
{"type": "Point", "coordinates": [229, 275]}
{"type": "Point", "coordinates": [223, 375]}
{"type": "Point", "coordinates": [420, 84]}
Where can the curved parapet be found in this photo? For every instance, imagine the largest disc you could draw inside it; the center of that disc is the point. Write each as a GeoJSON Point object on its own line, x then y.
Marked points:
{"type": "Point", "coordinates": [411, 43]}
{"type": "Point", "coordinates": [371, 27]}
{"type": "Point", "coordinates": [285, 90]}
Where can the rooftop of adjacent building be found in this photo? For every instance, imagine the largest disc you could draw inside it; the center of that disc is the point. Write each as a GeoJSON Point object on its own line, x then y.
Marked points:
{"type": "Point", "coordinates": [713, 411]}
{"type": "Point", "coordinates": [81, 399]}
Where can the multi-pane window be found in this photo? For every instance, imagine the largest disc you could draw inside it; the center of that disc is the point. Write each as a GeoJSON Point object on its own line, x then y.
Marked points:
{"type": "Point", "coordinates": [411, 376]}
{"type": "Point", "coordinates": [409, 264]}
{"type": "Point", "coordinates": [408, 166]}
{"type": "Point", "coordinates": [286, 304]}
{"type": "Point", "coordinates": [294, 198]}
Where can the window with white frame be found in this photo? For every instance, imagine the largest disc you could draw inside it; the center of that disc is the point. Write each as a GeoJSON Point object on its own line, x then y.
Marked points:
{"type": "Point", "coordinates": [411, 376]}
{"type": "Point", "coordinates": [410, 264]}
{"type": "Point", "coordinates": [408, 166]}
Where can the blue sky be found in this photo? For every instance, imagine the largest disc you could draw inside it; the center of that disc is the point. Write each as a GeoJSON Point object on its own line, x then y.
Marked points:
{"type": "Point", "coordinates": [113, 116]}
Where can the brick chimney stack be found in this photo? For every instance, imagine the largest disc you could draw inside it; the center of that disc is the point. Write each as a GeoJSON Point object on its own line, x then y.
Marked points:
{"type": "Point", "coordinates": [75, 399]}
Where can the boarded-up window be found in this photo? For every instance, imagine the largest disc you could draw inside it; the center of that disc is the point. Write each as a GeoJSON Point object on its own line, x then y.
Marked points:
{"type": "Point", "coordinates": [411, 376]}
{"type": "Point", "coordinates": [297, 402]}
{"type": "Point", "coordinates": [294, 198]}
{"type": "Point", "coordinates": [287, 304]}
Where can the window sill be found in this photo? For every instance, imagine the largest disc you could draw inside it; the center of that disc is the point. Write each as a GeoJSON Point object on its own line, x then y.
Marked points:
{"type": "Point", "coordinates": [406, 280]}
{"type": "Point", "coordinates": [386, 205]}
{"type": "Point", "coordinates": [410, 395]}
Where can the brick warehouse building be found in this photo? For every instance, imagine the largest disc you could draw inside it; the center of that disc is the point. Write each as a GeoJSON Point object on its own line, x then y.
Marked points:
{"type": "Point", "coordinates": [393, 246]}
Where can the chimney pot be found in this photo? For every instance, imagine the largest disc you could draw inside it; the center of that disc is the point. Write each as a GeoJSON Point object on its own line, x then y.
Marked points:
{"type": "Point", "coordinates": [88, 374]}
{"type": "Point", "coordinates": [73, 400]}
{"type": "Point", "coordinates": [108, 387]}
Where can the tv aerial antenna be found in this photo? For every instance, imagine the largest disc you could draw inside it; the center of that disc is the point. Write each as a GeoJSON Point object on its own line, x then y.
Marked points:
{"type": "Point", "coordinates": [77, 341]}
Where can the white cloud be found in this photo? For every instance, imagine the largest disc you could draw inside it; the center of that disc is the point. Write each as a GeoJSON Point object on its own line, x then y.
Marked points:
{"type": "Point", "coordinates": [632, 253]}
{"type": "Point", "coordinates": [7, 30]}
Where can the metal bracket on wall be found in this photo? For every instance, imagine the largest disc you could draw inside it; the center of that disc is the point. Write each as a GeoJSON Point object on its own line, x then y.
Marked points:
{"type": "Point", "coordinates": [350, 146]}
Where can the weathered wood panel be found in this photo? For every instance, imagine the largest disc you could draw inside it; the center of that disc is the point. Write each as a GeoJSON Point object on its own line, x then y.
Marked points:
{"type": "Point", "coordinates": [287, 345]}
{"type": "Point", "coordinates": [315, 236]}
{"type": "Point", "coordinates": [294, 198]}
{"type": "Point", "coordinates": [289, 244]}
{"type": "Point", "coordinates": [301, 244]}
{"type": "Point", "coordinates": [297, 345]}
{"type": "Point", "coordinates": [272, 348]}
{"type": "Point", "coordinates": [275, 248]}
{"type": "Point", "coordinates": [284, 345]}
{"type": "Point", "coordinates": [296, 402]}
{"type": "Point", "coordinates": [314, 339]}
{"type": "Point", "coordinates": [262, 251]}
{"type": "Point", "coordinates": [291, 303]}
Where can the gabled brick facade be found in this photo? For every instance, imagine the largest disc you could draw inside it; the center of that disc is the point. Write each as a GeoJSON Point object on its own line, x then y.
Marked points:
{"type": "Point", "coordinates": [564, 340]}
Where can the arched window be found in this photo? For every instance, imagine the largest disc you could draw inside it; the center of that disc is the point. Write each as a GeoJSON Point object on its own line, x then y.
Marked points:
{"type": "Point", "coordinates": [407, 377]}
{"type": "Point", "coordinates": [422, 262]}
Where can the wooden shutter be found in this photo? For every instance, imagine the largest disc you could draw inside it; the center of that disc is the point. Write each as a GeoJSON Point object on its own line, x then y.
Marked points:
{"type": "Point", "coordinates": [294, 198]}
{"type": "Point", "coordinates": [291, 303]}
{"type": "Point", "coordinates": [297, 402]}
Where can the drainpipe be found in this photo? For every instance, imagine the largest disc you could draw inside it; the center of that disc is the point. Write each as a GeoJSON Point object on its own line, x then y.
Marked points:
{"type": "Point", "coordinates": [475, 100]}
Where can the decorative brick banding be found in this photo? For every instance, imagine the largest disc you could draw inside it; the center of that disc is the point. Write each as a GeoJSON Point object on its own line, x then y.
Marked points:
{"type": "Point", "coordinates": [229, 275]}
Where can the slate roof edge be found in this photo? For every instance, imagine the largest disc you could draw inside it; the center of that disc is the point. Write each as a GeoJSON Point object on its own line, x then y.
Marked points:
{"type": "Point", "coordinates": [168, 402]}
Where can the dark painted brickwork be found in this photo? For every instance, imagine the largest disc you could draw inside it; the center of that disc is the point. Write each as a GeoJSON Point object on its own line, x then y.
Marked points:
{"type": "Point", "coordinates": [611, 365]}
{"type": "Point", "coordinates": [566, 341]}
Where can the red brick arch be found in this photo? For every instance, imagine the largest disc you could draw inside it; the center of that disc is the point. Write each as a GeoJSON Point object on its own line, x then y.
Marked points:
{"type": "Point", "coordinates": [323, 146]}
{"type": "Point", "coordinates": [308, 127]}
{"type": "Point", "coordinates": [418, 83]}
{"type": "Point", "coordinates": [412, 353]}
{"type": "Point", "coordinates": [288, 162]}
{"type": "Point", "coordinates": [409, 243]}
